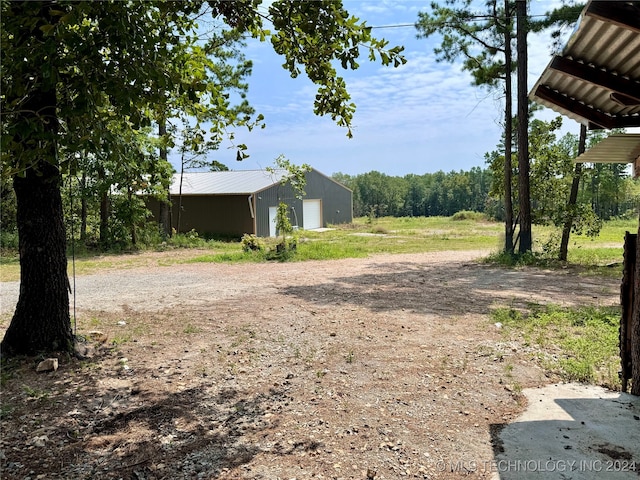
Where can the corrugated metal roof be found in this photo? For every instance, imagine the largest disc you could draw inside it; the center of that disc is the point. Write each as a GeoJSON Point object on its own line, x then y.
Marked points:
{"type": "Point", "coordinates": [619, 148]}
{"type": "Point", "coordinates": [225, 183]}
{"type": "Point", "coordinates": [600, 62]}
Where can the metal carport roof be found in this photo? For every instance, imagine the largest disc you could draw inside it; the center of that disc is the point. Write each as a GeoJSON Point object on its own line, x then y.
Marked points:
{"type": "Point", "coordinates": [596, 79]}
{"type": "Point", "coordinates": [618, 148]}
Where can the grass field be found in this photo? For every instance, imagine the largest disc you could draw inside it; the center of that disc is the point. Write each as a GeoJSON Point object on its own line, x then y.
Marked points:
{"type": "Point", "coordinates": [362, 238]}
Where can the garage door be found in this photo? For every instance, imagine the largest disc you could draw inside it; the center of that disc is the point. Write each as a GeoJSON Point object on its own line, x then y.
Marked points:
{"type": "Point", "coordinates": [311, 214]}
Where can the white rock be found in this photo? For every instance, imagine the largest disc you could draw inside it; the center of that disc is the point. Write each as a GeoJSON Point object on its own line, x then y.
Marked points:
{"type": "Point", "coordinates": [48, 365]}
{"type": "Point", "coordinates": [39, 441]}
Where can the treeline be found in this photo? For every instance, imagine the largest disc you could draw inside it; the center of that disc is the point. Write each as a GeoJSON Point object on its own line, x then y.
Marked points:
{"type": "Point", "coordinates": [607, 188]}
{"type": "Point", "coordinates": [431, 194]}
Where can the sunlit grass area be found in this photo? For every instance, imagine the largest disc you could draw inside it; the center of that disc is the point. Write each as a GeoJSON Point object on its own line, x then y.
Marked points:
{"type": "Point", "coordinates": [363, 237]}
{"type": "Point", "coordinates": [579, 344]}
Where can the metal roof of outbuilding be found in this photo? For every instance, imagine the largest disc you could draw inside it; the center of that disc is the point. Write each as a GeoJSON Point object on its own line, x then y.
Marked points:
{"type": "Point", "coordinates": [618, 148]}
{"type": "Point", "coordinates": [225, 183]}
{"type": "Point", "coordinates": [596, 79]}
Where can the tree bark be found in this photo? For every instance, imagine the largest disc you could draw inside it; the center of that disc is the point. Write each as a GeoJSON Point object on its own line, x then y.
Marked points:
{"type": "Point", "coordinates": [524, 197]}
{"type": "Point", "coordinates": [508, 135]}
{"type": "Point", "coordinates": [41, 321]}
{"type": "Point", "coordinates": [573, 198]}
{"type": "Point", "coordinates": [635, 324]}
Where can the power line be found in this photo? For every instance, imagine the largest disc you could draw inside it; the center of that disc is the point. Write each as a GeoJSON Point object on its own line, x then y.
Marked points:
{"type": "Point", "coordinates": [473, 18]}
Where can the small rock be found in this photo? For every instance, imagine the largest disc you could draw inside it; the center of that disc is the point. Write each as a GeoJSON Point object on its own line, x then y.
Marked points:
{"type": "Point", "coordinates": [39, 441]}
{"type": "Point", "coordinates": [83, 351]}
{"type": "Point", "coordinates": [122, 323]}
{"type": "Point", "coordinates": [498, 325]}
{"type": "Point", "coordinates": [48, 365]}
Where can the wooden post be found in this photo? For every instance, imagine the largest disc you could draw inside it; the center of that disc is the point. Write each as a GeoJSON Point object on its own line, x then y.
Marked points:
{"type": "Point", "coordinates": [635, 324]}
{"type": "Point", "coordinates": [627, 303]}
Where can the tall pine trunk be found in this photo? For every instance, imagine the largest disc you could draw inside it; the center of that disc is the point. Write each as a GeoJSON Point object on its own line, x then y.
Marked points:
{"type": "Point", "coordinates": [508, 135]}
{"type": "Point", "coordinates": [524, 197]}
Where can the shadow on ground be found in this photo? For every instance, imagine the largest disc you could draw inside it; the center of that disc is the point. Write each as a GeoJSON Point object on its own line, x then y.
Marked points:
{"type": "Point", "coordinates": [570, 431]}
{"type": "Point", "coordinates": [460, 289]}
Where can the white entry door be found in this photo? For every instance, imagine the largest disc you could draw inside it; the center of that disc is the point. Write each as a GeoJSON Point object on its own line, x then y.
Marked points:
{"type": "Point", "coordinates": [311, 214]}
{"type": "Point", "coordinates": [273, 215]}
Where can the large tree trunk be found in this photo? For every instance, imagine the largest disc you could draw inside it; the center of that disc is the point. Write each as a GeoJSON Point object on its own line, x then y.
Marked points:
{"type": "Point", "coordinates": [41, 320]}
{"type": "Point", "coordinates": [524, 198]}
{"type": "Point", "coordinates": [573, 198]}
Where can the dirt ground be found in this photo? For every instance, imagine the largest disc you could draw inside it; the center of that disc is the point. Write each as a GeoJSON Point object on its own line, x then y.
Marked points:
{"type": "Point", "coordinates": [381, 368]}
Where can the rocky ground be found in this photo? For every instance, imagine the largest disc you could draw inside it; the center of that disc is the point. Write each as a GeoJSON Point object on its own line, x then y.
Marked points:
{"type": "Point", "coordinates": [380, 368]}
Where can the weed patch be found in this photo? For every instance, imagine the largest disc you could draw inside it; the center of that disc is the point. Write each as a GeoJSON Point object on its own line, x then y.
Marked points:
{"type": "Point", "coordinates": [580, 344]}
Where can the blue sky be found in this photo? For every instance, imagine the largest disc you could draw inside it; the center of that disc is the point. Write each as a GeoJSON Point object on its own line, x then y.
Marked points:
{"type": "Point", "coordinates": [419, 118]}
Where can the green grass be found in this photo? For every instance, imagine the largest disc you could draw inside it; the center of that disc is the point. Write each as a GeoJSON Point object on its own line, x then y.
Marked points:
{"type": "Point", "coordinates": [580, 344]}
{"type": "Point", "coordinates": [363, 237]}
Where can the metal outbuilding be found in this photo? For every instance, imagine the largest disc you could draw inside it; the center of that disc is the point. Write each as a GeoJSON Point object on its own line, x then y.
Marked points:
{"type": "Point", "coordinates": [233, 203]}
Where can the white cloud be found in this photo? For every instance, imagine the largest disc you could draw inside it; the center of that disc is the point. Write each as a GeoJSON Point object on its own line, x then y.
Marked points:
{"type": "Point", "coordinates": [421, 117]}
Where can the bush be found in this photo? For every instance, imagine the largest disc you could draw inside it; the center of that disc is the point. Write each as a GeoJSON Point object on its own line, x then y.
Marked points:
{"type": "Point", "coordinates": [468, 215]}
{"type": "Point", "coordinates": [190, 239]}
{"type": "Point", "coordinates": [252, 243]}
{"type": "Point", "coordinates": [9, 240]}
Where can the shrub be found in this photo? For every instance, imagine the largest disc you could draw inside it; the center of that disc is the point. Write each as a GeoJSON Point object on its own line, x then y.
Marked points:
{"type": "Point", "coordinates": [252, 243]}
{"type": "Point", "coordinates": [468, 215]}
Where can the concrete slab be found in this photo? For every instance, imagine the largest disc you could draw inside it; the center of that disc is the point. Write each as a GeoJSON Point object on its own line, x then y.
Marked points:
{"type": "Point", "coordinates": [571, 431]}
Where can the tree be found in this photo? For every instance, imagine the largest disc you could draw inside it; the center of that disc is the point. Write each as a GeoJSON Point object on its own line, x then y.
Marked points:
{"type": "Point", "coordinates": [573, 198]}
{"type": "Point", "coordinates": [524, 198]}
{"type": "Point", "coordinates": [295, 177]}
{"type": "Point", "coordinates": [484, 43]}
{"type": "Point", "coordinates": [70, 69]}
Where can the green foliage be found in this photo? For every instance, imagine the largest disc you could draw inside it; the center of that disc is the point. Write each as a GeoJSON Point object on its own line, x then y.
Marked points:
{"type": "Point", "coordinates": [433, 194]}
{"type": "Point", "coordinates": [468, 215]}
{"type": "Point", "coordinates": [83, 80]}
{"type": "Point", "coordinates": [283, 224]}
{"type": "Point", "coordinates": [479, 42]}
{"type": "Point", "coordinates": [252, 243]}
{"type": "Point", "coordinates": [8, 240]}
{"type": "Point", "coordinates": [314, 35]}
{"type": "Point", "coordinates": [295, 176]}
{"type": "Point", "coordinates": [585, 337]}
{"type": "Point", "coordinates": [7, 206]}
